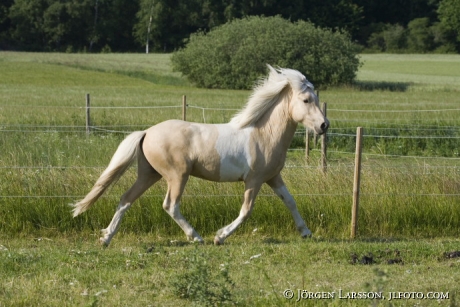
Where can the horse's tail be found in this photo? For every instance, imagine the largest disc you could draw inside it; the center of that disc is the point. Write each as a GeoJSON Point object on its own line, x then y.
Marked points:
{"type": "Point", "coordinates": [124, 156]}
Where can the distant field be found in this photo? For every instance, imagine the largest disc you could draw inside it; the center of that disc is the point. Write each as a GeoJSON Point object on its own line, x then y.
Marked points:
{"type": "Point", "coordinates": [422, 71]}
{"type": "Point", "coordinates": [409, 218]}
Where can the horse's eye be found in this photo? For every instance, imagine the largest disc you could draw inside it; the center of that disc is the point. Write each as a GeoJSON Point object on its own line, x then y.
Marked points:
{"type": "Point", "coordinates": [306, 100]}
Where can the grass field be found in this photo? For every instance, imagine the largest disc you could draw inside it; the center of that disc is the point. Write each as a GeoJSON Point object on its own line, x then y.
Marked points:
{"type": "Point", "coordinates": [409, 215]}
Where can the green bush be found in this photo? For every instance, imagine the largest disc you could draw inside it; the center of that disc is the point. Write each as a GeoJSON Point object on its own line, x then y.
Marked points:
{"type": "Point", "coordinates": [234, 55]}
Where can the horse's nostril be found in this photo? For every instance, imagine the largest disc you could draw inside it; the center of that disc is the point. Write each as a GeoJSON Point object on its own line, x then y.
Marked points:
{"type": "Point", "coordinates": [324, 126]}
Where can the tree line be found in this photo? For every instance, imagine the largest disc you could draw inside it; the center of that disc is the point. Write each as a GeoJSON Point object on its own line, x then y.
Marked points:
{"type": "Point", "coordinates": [165, 25]}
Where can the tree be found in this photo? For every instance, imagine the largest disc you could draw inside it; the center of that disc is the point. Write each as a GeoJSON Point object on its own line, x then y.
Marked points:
{"type": "Point", "coordinates": [378, 12]}
{"type": "Point", "coordinates": [172, 22]}
{"type": "Point", "coordinates": [27, 27]}
{"type": "Point", "coordinates": [142, 29]}
{"type": "Point", "coordinates": [58, 25]}
{"type": "Point", "coordinates": [449, 14]}
{"type": "Point", "coordinates": [4, 22]}
{"type": "Point", "coordinates": [420, 37]}
{"type": "Point", "coordinates": [395, 37]}
{"type": "Point", "coordinates": [114, 26]}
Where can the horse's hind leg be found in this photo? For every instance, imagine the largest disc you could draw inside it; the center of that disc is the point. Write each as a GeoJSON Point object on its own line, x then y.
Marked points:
{"type": "Point", "coordinates": [146, 177]}
{"type": "Point", "coordinates": [278, 186]}
{"type": "Point", "coordinates": [171, 205]}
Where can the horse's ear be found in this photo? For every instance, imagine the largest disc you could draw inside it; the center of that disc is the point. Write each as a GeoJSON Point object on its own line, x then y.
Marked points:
{"type": "Point", "coordinates": [271, 69]}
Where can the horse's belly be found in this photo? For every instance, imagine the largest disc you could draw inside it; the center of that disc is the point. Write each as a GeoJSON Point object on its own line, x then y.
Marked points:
{"type": "Point", "coordinates": [233, 168]}
{"type": "Point", "coordinates": [233, 148]}
{"type": "Point", "coordinates": [223, 168]}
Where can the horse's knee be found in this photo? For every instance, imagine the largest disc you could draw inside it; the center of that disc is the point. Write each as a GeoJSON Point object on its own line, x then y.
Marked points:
{"type": "Point", "coordinates": [123, 206]}
{"type": "Point", "coordinates": [172, 209]}
{"type": "Point", "coordinates": [245, 213]}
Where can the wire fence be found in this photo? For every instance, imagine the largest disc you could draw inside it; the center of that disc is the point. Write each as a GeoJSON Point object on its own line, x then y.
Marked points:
{"type": "Point", "coordinates": [222, 109]}
{"type": "Point", "coordinates": [333, 132]}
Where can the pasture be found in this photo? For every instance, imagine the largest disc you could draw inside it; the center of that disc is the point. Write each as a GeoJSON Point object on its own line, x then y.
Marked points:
{"type": "Point", "coordinates": [409, 218]}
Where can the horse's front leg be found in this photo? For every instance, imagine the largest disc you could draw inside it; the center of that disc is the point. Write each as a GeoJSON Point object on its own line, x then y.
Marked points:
{"type": "Point", "coordinates": [278, 186]}
{"type": "Point", "coordinates": [250, 194]}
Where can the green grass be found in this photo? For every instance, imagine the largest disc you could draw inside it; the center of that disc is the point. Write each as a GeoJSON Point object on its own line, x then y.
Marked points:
{"type": "Point", "coordinates": [409, 188]}
{"type": "Point", "coordinates": [144, 270]}
{"type": "Point", "coordinates": [47, 153]}
{"type": "Point", "coordinates": [419, 72]}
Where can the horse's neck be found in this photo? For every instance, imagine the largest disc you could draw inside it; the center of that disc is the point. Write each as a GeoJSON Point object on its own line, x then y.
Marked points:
{"type": "Point", "coordinates": [276, 127]}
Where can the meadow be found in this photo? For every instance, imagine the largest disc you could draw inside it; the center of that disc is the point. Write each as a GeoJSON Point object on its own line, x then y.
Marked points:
{"type": "Point", "coordinates": [409, 214]}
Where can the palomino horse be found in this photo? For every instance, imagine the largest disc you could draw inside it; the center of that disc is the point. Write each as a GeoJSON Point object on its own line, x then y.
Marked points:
{"type": "Point", "coordinates": [251, 148]}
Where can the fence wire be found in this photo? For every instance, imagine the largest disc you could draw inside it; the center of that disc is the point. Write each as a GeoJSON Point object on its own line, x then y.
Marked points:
{"type": "Point", "coordinates": [125, 129]}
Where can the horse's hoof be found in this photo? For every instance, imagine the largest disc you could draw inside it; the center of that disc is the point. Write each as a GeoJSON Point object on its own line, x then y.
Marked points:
{"type": "Point", "coordinates": [195, 238]}
{"type": "Point", "coordinates": [103, 242]}
{"type": "Point", "coordinates": [218, 241]}
{"type": "Point", "coordinates": [306, 233]}
{"type": "Point", "coordinates": [198, 240]}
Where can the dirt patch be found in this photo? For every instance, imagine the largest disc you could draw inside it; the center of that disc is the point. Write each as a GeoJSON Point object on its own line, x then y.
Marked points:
{"type": "Point", "coordinates": [387, 257]}
{"type": "Point", "coordinates": [451, 255]}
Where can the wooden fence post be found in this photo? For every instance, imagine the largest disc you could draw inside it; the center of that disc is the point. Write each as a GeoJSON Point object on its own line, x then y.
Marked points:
{"type": "Point", "coordinates": [307, 145]}
{"type": "Point", "coordinates": [315, 136]}
{"type": "Point", "coordinates": [88, 117]}
{"type": "Point", "coordinates": [324, 143]}
{"type": "Point", "coordinates": [184, 107]}
{"type": "Point", "coordinates": [356, 181]}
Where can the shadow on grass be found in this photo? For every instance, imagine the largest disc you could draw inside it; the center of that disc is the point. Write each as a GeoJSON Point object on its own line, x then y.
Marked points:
{"type": "Point", "coordinates": [381, 86]}
{"type": "Point", "coordinates": [156, 78]}
{"type": "Point", "coordinates": [146, 76]}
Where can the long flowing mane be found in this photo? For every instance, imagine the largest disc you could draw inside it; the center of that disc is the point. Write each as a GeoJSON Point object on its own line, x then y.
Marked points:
{"type": "Point", "coordinates": [267, 92]}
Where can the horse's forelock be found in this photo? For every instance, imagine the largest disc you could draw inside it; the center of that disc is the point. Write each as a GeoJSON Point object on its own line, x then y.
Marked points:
{"type": "Point", "coordinates": [297, 80]}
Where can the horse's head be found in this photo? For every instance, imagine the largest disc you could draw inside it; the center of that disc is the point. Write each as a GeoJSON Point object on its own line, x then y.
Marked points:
{"type": "Point", "coordinates": [304, 107]}
{"type": "Point", "coordinates": [303, 102]}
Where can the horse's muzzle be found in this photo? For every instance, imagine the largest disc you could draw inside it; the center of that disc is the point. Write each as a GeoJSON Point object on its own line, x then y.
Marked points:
{"type": "Point", "coordinates": [323, 128]}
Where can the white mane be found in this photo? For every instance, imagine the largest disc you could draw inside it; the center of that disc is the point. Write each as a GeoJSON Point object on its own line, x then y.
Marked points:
{"type": "Point", "coordinates": [267, 93]}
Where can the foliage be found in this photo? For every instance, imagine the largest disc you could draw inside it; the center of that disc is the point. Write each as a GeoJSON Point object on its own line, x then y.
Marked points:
{"type": "Point", "coordinates": [199, 285]}
{"type": "Point", "coordinates": [120, 25]}
{"type": "Point", "coordinates": [449, 14]}
{"type": "Point", "coordinates": [125, 25]}
{"type": "Point", "coordinates": [236, 54]}
{"type": "Point", "coordinates": [420, 36]}
{"type": "Point", "coordinates": [443, 38]}
{"type": "Point", "coordinates": [46, 25]}
{"type": "Point", "coordinates": [174, 21]}
{"type": "Point", "coordinates": [170, 22]}
{"type": "Point", "coordinates": [394, 37]}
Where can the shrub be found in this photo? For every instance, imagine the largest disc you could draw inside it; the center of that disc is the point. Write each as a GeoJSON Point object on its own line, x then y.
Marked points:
{"type": "Point", "coordinates": [235, 54]}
